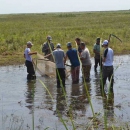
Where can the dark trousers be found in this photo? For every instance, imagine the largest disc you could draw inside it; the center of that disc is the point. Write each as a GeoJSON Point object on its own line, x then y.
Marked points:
{"type": "Point", "coordinates": [60, 75]}
{"type": "Point", "coordinates": [107, 72]}
{"type": "Point", "coordinates": [97, 61]}
{"type": "Point", "coordinates": [30, 69]}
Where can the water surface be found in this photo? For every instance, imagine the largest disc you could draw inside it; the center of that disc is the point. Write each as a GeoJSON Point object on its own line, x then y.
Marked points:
{"type": "Point", "coordinates": [26, 104]}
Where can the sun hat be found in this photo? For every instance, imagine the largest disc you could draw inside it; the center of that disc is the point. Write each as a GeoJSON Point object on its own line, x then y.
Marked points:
{"type": "Point", "coordinates": [58, 45]}
{"type": "Point", "coordinates": [69, 44]}
{"type": "Point", "coordinates": [105, 42]}
{"type": "Point", "coordinates": [29, 43]}
{"type": "Point", "coordinates": [49, 38]}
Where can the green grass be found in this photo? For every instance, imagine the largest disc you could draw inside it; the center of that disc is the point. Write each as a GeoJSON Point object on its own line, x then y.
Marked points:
{"type": "Point", "coordinates": [17, 29]}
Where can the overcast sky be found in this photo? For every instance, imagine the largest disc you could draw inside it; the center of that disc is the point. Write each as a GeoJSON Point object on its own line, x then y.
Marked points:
{"type": "Point", "coordinates": [43, 6]}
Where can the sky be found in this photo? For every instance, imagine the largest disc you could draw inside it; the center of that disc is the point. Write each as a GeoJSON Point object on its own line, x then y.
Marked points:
{"type": "Point", "coordinates": [45, 6]}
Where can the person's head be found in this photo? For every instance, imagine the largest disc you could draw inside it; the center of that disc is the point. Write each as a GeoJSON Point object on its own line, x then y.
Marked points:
{"type": "Point", "coordinates": [105, 43]}
{"type": "Point", "coordinates": [78, 41]}
{"type": "Point", "coordinates": [98, 40]}
{"type": "Point", "coordinates": [29, 44]}
{"type": "Point", "coordinates": [69, 45]}
{"type": "Point", "coordinates": [58, 45]}
{"type": "Point", "coordinates": [49, 38]}
{"type": "Point", "coordinates": [82, 45]}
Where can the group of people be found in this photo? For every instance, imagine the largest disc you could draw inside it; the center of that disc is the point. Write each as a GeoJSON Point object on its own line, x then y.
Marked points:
{"type": "Point", "coordinates": [74, 55]}
{"type": "Point", "coordinates": [79, 56]}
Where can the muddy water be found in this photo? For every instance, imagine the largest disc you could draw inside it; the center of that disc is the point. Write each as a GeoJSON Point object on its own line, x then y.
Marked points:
{"type": "Point", "coordinates": [27, 105]}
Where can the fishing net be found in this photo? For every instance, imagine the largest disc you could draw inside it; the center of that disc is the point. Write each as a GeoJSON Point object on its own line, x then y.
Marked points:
{"type": "Point", "coordinates": [45, 67]}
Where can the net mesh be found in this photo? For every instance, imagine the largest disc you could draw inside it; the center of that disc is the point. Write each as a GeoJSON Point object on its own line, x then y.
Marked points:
{"type": "Point", "coordinates": [45, 67]}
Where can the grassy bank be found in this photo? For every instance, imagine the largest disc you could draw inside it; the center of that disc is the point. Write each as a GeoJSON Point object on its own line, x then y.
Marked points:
{"type": "Point", "coordinates": [17, 29]}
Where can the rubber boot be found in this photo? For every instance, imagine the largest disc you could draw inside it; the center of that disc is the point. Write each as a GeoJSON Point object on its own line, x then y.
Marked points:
{"type": "Point", "coordinates": [95, 68]}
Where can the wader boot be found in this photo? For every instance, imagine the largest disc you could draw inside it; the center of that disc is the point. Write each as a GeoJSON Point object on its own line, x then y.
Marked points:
{"type": "Point", "coordinates": [31, 77]}
{"type": "Point", "coordinates": [95, 68]}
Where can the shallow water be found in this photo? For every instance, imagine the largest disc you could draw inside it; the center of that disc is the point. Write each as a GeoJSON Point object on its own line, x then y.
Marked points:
{"type": "Point", "coordinates": [27, 105]}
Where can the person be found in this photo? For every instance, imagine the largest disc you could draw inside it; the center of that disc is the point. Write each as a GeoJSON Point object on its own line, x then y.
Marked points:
{"type": "Point", "coordinates": [107, 71]}
{"type": "Point", "coordinates": [48, 47]}
{"type": "Point", "coordinates": [97, 57]}
{"type": "Point", "coordinates": [78, 41]}
{"type": "Point", "coordinates": [86, 62]}
{"type": "Point", "coordinates": [59, 58]}
{"type": "Point", "coordinates": [72, 55]}
{"type": "Point", "coordinates": [28, 62]}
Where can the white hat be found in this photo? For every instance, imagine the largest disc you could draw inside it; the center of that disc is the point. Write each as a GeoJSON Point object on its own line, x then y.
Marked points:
{"type": "Point", "coordinates": [58, 45]}
{"type": "Point", "coordinates": [105, 42]}
{"type": "Point", "coordinates": [29, 43]}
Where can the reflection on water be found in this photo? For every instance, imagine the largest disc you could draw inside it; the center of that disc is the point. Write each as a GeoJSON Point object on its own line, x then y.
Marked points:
{"type": "Point", "coordinates": [108, 105]}
{"type": "Point", "coordinates": [30, 94]}
{"type": "Point", "coordinates": [60, 102]}
{"type": "Point", "coordinates": [23, 99]}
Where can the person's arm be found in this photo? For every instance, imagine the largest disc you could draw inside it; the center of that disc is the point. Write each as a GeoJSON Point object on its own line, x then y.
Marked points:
{"type": "Point", "coordinates": [32, 53]}
{"type": "Point", "coordinates": [65, 58]}
{"type": "Point", "coordinates": [82, 56]}
{"type": "Point", "coordinates": [47, 55]}
{"type": "Point", "coordinates": [96, 52]}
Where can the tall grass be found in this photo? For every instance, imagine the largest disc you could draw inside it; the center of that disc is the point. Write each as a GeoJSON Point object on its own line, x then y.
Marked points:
{"type": "Point", "coordinates": [17, 29]}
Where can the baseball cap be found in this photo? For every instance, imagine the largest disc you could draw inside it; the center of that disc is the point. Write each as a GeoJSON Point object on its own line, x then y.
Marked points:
{"type": "Point", "coordinates": [69, 44]}
{"type": "Point", "coordinates": [105, 42]}
{"type": "Point", "coordinates": [58, 45]}
{"type": "Point", "coordinates": [29, 43]}
{"type": "Point", "coordinates": [49, 38]}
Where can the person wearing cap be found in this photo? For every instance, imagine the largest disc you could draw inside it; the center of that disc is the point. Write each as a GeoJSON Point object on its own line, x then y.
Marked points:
{"type": "Point", "coordinates": [72, 55]}
{"type": "Point", "coordinates": [48, 47]}
{"type": "Point", "coordinates": [78, 41]}
{"type": "Point", "coordinates": [107, 71]}
{"type": "Point", "coordinates": [86, 62]}
{"type": "Point", "coordinates": [28, 62]}
{"type": "Point", "coordinates": [59, 58]}
{"type": "Point", "coordinates": [97, 57]}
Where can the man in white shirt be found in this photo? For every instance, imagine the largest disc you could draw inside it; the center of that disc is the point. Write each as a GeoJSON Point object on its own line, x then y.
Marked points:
{"type": "Point", "coordinates": [107, 71]}
{"type": "Point", "coordinates": [28, 62]}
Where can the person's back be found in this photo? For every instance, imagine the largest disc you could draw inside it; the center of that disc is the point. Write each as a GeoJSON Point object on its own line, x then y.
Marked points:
{"type": "Point", "coordinates": [73, 57]}
{"type": "Point", "coordinates": [109, 57]}
{"type": "Point", "coordinates": [58, 56]}
{"type": "Point", "coordinates": [107, 65]}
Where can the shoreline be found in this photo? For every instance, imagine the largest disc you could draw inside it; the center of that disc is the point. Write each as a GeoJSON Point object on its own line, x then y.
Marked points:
{"type": "Point", "coordinates": [18, 59]}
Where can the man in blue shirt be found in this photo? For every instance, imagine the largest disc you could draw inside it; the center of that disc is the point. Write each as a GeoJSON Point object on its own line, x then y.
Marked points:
{"type": "Point", "coordinates": [72, 55]}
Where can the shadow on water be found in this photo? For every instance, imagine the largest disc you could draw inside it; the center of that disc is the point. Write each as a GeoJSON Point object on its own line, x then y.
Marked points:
{"type": "Point", "coordinates": [28, 104]}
